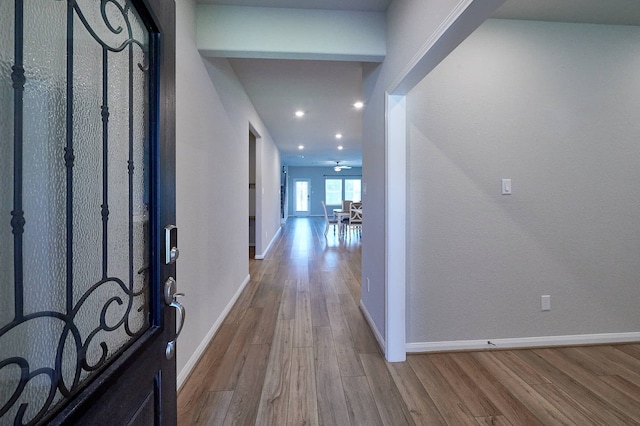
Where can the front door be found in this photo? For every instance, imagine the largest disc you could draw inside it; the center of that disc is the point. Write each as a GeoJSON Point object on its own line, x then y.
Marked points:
{"type": "Point", "coordinates": [302, 192]}
{"type": "Point", "coordinates": [87, 189]}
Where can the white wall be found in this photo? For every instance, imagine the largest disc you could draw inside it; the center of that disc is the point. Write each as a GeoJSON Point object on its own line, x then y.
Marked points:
{"type": "Point", "coordinates": [267, 189]}
{"type": "Point", "coordinates": [553, 107]}
{"type": "Point", "coordinates": [283, 33]}
{"type": "Point", "coordinates": [213, 118]}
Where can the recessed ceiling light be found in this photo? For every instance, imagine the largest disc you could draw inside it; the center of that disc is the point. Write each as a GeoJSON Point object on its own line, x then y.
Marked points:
{"type": "Point", "coordinates": [340, 147]}
{"type": "Point", "coordinates": [338, 135]}
{"type": "Point", "coordinates": [299, 113]}
{"type": "Point", "coordinates": [358, 104]}
{"type": "Point", "coordinates": [300, 146]}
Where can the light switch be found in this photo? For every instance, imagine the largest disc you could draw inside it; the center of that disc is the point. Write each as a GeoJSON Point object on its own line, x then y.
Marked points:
{"type": "Point", "coordinates": [506, 186]}
{"type": "Point", "coordinates": [545, 302]}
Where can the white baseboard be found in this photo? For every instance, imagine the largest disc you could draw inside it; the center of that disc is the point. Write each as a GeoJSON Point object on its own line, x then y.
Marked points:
{"type": "Point", "coordinates": [193, 361]}
{"type": "Point", "coordinates": [372, 326]}
{"type": "Point", "coordinates": [275, 237]}
{"type": "Point", "coordinates": [524, 342]}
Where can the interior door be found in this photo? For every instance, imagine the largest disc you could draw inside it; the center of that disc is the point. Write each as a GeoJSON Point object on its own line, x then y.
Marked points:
{"type": "Point", "coordinates": [87, 189]}
{"type": "Point", "coordinates": [302, 194]}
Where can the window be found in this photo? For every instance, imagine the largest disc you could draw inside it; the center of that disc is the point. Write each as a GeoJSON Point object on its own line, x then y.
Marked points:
{"type": "Point", "coordinates": [333, 192]}
{"type": "Point", "coordinates": [352, 190]}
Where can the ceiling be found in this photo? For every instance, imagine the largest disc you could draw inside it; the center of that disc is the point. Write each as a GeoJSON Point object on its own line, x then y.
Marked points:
{"type": "Point", "coordinates": [326, 90]}
{"type": "Point", "coordinates": [610, 12]}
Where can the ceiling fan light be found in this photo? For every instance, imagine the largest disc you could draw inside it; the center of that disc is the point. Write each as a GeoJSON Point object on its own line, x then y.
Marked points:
{"type": "Point", "coordinates": [336, 168]}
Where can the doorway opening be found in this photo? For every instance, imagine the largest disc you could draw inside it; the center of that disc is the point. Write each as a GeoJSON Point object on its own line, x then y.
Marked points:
{"type": "Point", "coordinates": [252, 195]}
{"type": "Point", "coordinates": [302, 194]}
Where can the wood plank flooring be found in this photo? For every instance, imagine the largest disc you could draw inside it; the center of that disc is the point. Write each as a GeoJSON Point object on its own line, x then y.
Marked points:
{"type": "Point", "coordinates": [296, 350]}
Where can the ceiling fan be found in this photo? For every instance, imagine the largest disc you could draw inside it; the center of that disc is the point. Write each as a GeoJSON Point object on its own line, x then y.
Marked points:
{"type": "Point", "coordinates": [338, 167]}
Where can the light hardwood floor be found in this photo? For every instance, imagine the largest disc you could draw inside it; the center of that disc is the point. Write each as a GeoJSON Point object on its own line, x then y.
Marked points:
{"type": "Point", "coordinates": [296, 350]}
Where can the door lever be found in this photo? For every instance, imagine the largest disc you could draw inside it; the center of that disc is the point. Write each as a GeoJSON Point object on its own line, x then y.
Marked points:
{"type": "Point", "coordinates": [171, 300]}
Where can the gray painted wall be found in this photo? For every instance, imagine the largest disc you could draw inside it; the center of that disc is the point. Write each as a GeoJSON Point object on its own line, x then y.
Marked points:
{"type": "Point", "coordinates": [553, 107]}
{"type": "Point", "coordinates": [213, 114]}
{"type": "Point", "coordinates": [410, 24]}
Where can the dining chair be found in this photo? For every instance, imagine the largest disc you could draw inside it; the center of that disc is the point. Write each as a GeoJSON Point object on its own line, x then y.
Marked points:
{"type": "Point", "coordinates": [346, 205]}
{"type": "Point", "coordinates": [328, 221]}
{"type": "Point", "coordinates": [355, 218]}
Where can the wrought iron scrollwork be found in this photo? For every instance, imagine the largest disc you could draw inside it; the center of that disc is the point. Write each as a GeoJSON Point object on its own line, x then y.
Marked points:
{"type": "Point", "coordinates": [82, 346]}
{"type": "Point", "coordinates": [81, 350]}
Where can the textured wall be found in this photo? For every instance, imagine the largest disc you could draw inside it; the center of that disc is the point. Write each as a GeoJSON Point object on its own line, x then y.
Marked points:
{"type": "Point", "coordinates": [282, 33]}
{"type": "Point", "coordinates": [213, 119]}
{"type": "Point", "coordinates": [553, 107]}
{"type": "Point", "coordinates": [409, 25]}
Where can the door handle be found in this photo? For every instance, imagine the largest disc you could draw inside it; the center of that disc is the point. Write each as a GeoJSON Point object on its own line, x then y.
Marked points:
{"type": "Point", "coordinates": [171, 346]}
{"type": "Point", "coordinates": [171, 300]}
{"type": "Point", "coordinates": [182, 311]}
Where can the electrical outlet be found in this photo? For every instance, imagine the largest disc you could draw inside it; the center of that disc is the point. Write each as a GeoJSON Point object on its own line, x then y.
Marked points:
{"type": "Point", "coordinates": [545, 302]}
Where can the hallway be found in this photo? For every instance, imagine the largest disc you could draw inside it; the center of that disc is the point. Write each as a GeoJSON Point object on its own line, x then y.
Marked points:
{"type": "Point", "coordinates": [296, 350]}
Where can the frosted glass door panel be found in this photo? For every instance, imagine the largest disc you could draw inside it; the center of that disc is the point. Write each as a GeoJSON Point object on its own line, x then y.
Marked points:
{"type": "Point", "coordinates": [302, 197]}
{"type": "Point", "coordinates": [74, 179]}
